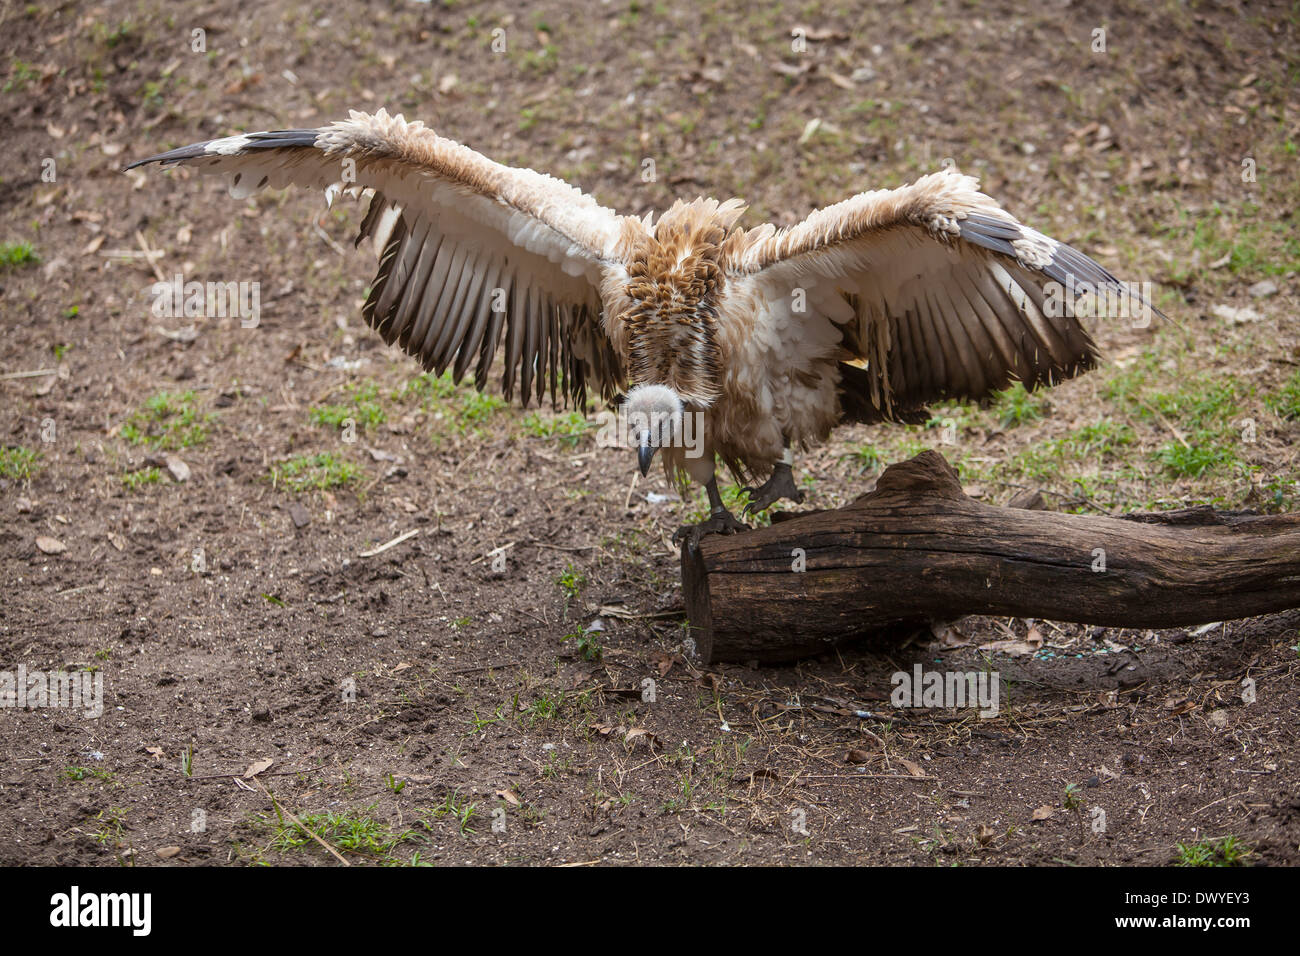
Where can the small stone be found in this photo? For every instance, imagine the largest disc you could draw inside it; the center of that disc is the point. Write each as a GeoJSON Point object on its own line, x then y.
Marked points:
{"type": "Point", "coordinates": [299, 515]}
{"type": "Point", "coordinates": [178, 469]}
{"type": "Point", "coordinates": [1263, 289]}
{"type": "Point", "coordinates": [1235, 316]}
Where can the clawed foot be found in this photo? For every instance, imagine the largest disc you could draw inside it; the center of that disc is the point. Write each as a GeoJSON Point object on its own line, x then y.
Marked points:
{"type": "Point", "coordinates": [720, 522]}
{"type": "Point", "coordinates": [780, 485]}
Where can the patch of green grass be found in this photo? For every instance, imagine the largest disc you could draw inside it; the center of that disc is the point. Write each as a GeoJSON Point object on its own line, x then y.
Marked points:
{"type": "Point", "coordinates": [1285, 402]}
{"type": "Point", "coordinates": [82, 773]}
{"type": "Point", "coordinates": [152, 94]}
{"type": "Point", "coordinates": [113, 36]}
{"type": "Point", "coordinates": [587, 644]}
{"type": "Point", "coordinates": [463, 409]}
{"type": "Point", "coordinates": [1100, 439]}
{"type": "Point", "coordinates": [18, 462]}
{"type": "Point", "coordinates": [362, 408]}
{"type": "Point", "coordinates": [571, 581]}
{"type": "Point", "coordinates": [113, 829]}
{"type": "Point", "coordinates": [546, 707]}
{"type": "Point", "coordinates": [1281, 493]}
{"type": "Point", "coordinates": [19, 76]}
{"type": "Point", "coordinates": [454, 806]}
{"type": "Point", "coordinates": [567, 429]}
{"type": "Point", "coordinates": [867, 458]}
{"type": "Point", "coordinates": [135, 480]}
{"type": "Point", "coordinates": [168, 421]}
{"type": "Point", "coordinates": [1194, 460]}
{"type": "Point", "coordinates": [1017, 406]}
{"type": "Point", "coordinates": [1228, 851]}
{"type": "Point", "coordinates": [1253, 243]}
{"type": "Point", "coordinates": [352, 831]}
{"type": "Point", "coordinates": [476, 407]}
{"type": "Point", "coordinates": [315, 473]}
{"type": "Point", "coordinates": [426, 389]}
{"type": "Point", "coordinates": [1205, 414]}
{"type": "Point", "coordinates": [14, 254]}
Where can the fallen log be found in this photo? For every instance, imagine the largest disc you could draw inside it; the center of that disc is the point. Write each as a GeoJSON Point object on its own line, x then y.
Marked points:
{"type": "Point", "coordinates": [918, 549]}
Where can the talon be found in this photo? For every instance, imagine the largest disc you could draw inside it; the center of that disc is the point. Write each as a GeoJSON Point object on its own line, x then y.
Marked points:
{"type": "Point", "coordinates": [779, 485]}
{"type": "Point", "coordinates": [723, 522]}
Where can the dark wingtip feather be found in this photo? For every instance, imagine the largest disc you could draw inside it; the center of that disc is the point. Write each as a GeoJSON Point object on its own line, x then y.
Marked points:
{"type": "Point", "coordinates": [269, 139]}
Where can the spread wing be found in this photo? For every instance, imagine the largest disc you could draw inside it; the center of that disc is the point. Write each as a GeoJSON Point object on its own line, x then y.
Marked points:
{"type": "Point", "coordinates": [469, 250]}
{"type": "Point", "coordinates": [938, 294]}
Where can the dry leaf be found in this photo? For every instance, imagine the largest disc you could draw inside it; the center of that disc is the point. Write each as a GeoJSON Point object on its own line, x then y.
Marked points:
{"type": "Point", "coordinates": [858, 756]}
{"type": "Point", "coordinates": [508, 796]}
{"type": "Point", "coordinates": [636, 732]}
{"type": "Point", "coordinates": [1010, 647]}
{"type": "Point", "coordinates": [663, 662]}
{"type": "Point", "coordinates": [167, 852]}
{"type": "Point", "coordinates": [1044, 812]}
{"type": "Point", "coordinates": [912, 768]}
{"type": "Point", "coordinates": [257, 767]}
{"type": "Point", "coordinates": [809, 129]}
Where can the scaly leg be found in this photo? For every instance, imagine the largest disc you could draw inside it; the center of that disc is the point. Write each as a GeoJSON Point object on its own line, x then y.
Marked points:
{"type": "Point", "coordinates": [780, 485]}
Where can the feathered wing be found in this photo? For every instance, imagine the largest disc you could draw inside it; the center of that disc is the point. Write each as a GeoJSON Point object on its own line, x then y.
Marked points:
{"type": "Point", "coordinates": [470, 251]}
{"type": "Point", "coordinates": [938, 292]}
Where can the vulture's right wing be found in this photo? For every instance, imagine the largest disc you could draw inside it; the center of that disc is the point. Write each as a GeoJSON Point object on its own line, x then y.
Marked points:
{"type": "Point", "coordinates": [936, 291]}
{"type": "Point", "coordinates": [468, 248]}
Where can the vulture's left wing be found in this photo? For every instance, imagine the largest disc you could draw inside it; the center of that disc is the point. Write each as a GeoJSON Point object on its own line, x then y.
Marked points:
{"type": "Point", "coordinates": [937, 292]}
{"type": "Point", "coordinates": [468, 249]}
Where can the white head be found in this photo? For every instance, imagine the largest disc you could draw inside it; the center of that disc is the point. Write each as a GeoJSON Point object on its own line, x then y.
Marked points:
{"type": "Point", "coordinates": [654, 415]}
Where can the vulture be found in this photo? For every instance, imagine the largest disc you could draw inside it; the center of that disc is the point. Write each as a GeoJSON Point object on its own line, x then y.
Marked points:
{"type": "Point", "coordinates": [715, 342]}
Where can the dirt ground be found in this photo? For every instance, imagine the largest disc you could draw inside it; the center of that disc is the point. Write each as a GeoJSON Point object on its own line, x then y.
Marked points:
{"type": "Point", "coordinates": [435, 704]}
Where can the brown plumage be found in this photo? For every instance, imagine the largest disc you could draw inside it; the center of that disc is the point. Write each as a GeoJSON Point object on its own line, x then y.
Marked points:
{"type": "Point", "coordinates": [867, 310]}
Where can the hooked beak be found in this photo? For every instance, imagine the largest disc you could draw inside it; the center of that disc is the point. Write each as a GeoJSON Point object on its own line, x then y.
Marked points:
{"type": "Point", "coordinates": [644, 455]}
